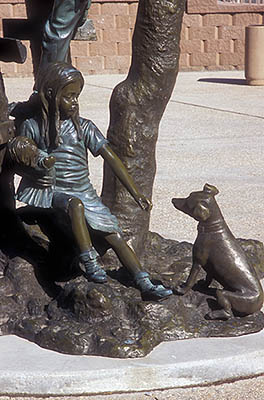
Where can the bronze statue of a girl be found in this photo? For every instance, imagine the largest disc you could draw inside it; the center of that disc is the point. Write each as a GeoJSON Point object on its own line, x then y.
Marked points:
{"type": "Point", "coordinates": [61, 134]}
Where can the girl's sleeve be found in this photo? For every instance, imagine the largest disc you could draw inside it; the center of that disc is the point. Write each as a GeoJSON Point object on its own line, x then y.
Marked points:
{"type": "Point", "coordinates": [27, 129]}
{"type": "Point", "coordinates": [93, 138]}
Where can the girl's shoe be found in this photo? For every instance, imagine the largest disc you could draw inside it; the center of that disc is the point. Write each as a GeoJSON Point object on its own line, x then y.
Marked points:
{"type": "Point", "coordinates": [93, 270]}
{"type": "Point", "coordinates": [147, 288]}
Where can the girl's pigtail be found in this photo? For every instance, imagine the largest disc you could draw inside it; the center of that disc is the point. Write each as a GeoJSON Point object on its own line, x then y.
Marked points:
{"type": "Point", "coordinates": [76, 123]}
{"type": "Point", "coordinates": [45, 119]}
{"type": "Point", "coordinates": [57, 123]}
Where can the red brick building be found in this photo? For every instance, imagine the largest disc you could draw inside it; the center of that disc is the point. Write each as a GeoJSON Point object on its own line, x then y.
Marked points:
{"type": "Point", "coordinates": [213, 35]}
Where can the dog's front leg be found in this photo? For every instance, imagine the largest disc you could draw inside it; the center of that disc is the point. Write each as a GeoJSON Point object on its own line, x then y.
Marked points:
{"type": "Point", "coordinates": [207, 281]}
{"type": "Point", "coordinates": [191, 280]}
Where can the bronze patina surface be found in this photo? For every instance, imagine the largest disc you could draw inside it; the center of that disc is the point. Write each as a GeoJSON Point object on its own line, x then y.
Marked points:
{"type": "Point", "coordinates": [46, 301]}
{"type": "Point", "coordinates": [45, 295]}
{"type": "Point", "coordinates": [217, 251]}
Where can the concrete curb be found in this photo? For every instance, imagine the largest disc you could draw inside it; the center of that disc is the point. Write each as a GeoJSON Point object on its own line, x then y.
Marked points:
{"type": "Point", "coordinates": [31, 370]}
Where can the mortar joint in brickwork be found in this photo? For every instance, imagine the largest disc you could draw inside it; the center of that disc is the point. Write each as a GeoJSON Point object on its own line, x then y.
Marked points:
{"type": "Point", "coordinates": [217, 59]}
{"type": "Point", "coordinates": [217, 36]}
{"type": "Point", "coordinates": [187, 33]}
{"type": "Point", "coordinates": [232, 45]}
{"type": "Point", "coordinates": [188, 60]}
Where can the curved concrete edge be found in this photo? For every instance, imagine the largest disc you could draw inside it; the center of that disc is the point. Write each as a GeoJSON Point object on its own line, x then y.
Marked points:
{"type": "Point", "coordinates": [26, 369]}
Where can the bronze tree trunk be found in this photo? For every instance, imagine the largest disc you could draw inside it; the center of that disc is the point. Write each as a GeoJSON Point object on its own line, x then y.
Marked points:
{"type": "Point", "coordinates": [136, 108]}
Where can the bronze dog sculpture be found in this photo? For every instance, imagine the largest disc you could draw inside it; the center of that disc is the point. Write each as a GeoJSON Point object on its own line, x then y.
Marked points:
{"type": "Point", "coordinates": [219, 254]}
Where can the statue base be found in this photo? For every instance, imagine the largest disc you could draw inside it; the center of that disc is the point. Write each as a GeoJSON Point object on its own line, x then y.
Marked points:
{"type": "Point", "coordinates": [45, 301]}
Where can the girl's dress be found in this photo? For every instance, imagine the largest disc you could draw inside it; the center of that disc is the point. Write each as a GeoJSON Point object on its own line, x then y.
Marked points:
{"type": "Point", "coordinates": [70, 175]}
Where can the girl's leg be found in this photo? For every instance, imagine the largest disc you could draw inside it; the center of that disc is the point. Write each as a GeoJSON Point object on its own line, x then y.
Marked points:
{"type": "Point", "coordinates": [59, 30]}
{"type": "Point", "coordinates": [78, 223]}
{"type": "Point", "coordinates": [89, 255]}
{"type": "Point", "coordinates": [129, 259]}
{"type": "Point", "coordinates": [125, 254]}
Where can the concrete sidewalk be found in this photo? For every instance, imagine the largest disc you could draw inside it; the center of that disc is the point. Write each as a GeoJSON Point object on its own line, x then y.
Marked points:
{"type": "Point", "coordinates": [212, 131]}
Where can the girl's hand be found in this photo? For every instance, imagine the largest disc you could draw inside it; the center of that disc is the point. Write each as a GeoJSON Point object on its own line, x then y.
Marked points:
{"type": "Point", "coordinates": [144, 203]}
{"type": "Point", "coordinates": [48, 162]}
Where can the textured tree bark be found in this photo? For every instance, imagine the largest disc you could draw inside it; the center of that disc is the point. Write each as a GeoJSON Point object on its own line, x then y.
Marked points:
{"type": "Point", "coordinates": [136, 107]}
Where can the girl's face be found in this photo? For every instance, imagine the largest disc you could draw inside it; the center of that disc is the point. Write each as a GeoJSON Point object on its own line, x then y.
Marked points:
{"type": "Point", "coordinates": [68, 104]}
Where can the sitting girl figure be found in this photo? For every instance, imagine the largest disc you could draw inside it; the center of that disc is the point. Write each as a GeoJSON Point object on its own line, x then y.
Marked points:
{"type": "Point", "coordinates": [61, 133]}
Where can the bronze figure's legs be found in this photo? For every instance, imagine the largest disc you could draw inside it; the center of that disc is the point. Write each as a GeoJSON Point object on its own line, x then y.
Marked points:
{"type": "Point", "coordinates": [60, 28]}
{"type": "Point", "coordinates": [240, 301]}
{"type": "Point", "coordinates": [89, 255]}
{"type": "Point", "coordinates": [226, 311]}
{"type": "Point", "coordinates": [125, 254]}
{"type": "Point", "coordinates": [78, 223]}
{"type": "Point", "coordinates": [129, 259]}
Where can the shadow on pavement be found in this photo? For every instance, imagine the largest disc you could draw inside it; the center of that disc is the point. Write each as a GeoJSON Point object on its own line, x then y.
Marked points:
{"type": "Point", "coordinates": [226, 81]}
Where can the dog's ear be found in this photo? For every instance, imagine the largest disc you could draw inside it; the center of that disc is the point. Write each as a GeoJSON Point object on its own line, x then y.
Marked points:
{"type": "Point", "coordinates": [201, 211]}
{"type": "Point", "coordinates": [210, 189]}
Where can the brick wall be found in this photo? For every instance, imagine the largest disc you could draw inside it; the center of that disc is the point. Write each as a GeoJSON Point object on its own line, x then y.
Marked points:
{"type": "Point", "coordinates": [111, 53]}
{"type": "Point", "coordinates": [114, 21]}
{"type": "Point", "coordinates": [212, 36]}
{"type": "Point", "coordinates": [14, 9]}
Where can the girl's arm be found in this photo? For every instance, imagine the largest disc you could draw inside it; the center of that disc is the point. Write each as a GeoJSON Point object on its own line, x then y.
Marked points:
{"type": "Point", "coordinates": [121, 172]}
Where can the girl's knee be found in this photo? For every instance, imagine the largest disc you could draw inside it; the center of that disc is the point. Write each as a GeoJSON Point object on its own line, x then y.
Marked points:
{"type": "Point", "coordinates": [118, 237]}
{"type": "Point", "coordinates": [115, 239]}
{"type": "Point", "coordinates": [76, 205]}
